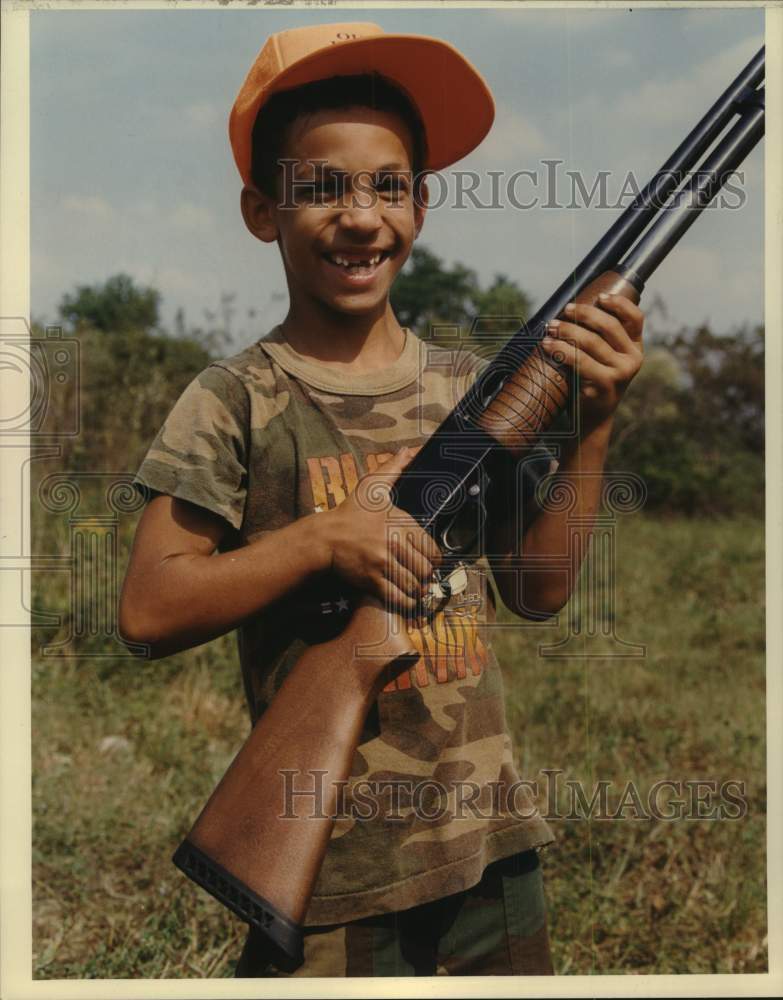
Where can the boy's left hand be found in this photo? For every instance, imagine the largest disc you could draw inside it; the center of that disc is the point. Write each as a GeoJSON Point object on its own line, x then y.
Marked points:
{"type": "Point", "coordinates": [604, 343]}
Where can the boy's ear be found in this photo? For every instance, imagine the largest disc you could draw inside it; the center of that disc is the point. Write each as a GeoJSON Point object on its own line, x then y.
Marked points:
{"type": "Point", "coordinates": [258, 211]}
{"type": "Point", "coordinates": [420, 203]}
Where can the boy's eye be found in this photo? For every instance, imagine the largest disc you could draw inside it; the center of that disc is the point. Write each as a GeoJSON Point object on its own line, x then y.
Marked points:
{"type": "Point", "coordinates": [325, 191]}
{"type": "Point", "coordinates": [393, 185]}
{"type": "Point", "coordinates": [319, 190]}
{"type": "Point", "coordinates": [330, 188]}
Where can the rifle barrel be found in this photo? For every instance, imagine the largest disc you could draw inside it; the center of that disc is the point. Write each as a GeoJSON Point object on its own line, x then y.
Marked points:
{"type": "Point", "coordinates": [675, 219]}
{"type": "Point", "coordinates": [619, 237]}
{"type": "Point", "coordinates": [455, 452]}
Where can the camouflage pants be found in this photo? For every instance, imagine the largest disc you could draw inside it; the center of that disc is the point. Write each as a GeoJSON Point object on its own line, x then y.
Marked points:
{"type": "Point", "coordinates": [497, 928]}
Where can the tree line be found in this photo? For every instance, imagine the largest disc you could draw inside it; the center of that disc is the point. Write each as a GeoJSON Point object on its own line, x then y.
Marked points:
{"type": "Point", "coordinates": [691, 424]}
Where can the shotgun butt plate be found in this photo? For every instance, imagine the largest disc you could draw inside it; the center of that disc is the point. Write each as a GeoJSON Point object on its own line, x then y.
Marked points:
{"type": "Point", "coordinates": [246, 904]}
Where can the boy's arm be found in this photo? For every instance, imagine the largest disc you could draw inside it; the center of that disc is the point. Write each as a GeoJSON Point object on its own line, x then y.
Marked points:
{"type": "Point", "coordinates": [606, 345]}
{"type": "Point", "coordinates": [178, 592]}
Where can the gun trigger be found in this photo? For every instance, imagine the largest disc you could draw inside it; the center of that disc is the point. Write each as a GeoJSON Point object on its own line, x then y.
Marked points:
{"type": "Point", "coordinates": [451, 585]}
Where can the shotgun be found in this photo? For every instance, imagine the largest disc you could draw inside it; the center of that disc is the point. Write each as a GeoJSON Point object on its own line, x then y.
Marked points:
{"type": "Point", "coordinates": [263, 866]}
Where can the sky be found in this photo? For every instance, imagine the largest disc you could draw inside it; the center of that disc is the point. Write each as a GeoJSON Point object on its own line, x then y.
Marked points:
{"type": "Point", "coordinates": [131, 168]}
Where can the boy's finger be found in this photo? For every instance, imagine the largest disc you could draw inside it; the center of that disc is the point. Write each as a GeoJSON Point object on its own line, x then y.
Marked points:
{"type": "Point", "coordinates": [393, 465]}
{"type": "Point", "coordinates": [566, 353]}
{"type": "Point", "coordinates": [416, 536]}
{"type": "Point", "coordinates": [629, 314]}
{"type": "Point", "coordinates": [367, 492]}
{"type": "Point", "coordinates": [397, 462]}
{"type": "Point", "coordinates": [394, 598]}
{"type": "Point", "coordinates": [416, 562]}
{"type": "Point", "coordinates": [606, 325]}
{"type": "Point", "coordinates": [427, 545]}
{"type": "Point", "coordinates": [401, 577]}
{"type": "Point", "coordinates": [591, 343]}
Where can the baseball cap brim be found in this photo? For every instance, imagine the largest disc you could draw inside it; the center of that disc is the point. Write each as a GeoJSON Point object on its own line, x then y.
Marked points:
{"type": "Point", "coordinates": [452, 98]}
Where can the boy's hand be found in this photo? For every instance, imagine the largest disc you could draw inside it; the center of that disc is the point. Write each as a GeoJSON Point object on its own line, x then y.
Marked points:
{"type": "Point", "coordinates": [377, 547]}
{"type": "Point", "coordinates": [604, 343]}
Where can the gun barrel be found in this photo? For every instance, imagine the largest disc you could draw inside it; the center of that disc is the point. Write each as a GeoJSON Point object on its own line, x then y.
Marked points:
{"type": "Point", "coordinates": [457, 450]}
{"type": "Point", "coordinates": [688, 203]}
{"type": "Point", "coordinates": [620, 236]}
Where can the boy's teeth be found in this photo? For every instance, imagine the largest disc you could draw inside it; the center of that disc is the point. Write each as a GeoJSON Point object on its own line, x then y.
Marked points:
{"type": "Point", "coordinates": [368, 262]}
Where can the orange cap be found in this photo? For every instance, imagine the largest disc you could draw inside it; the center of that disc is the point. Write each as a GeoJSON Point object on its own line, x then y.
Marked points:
{"type": "Point", "coordinates": [454, 102]}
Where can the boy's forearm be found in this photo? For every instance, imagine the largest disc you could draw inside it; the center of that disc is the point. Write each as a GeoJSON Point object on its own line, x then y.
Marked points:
{"type": "Point", "coordinates": [196, 597]}
{"type": "Point", "coordinates": [530, 586]}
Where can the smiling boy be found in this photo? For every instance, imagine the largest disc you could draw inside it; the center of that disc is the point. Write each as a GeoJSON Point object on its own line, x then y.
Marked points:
{"type": "Point", "coordinates": [255, 522]}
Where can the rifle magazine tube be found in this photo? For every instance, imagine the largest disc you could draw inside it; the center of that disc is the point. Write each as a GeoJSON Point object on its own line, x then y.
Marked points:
{"type": "Point", "coordinates": [677, 218]}
{"type": "Point", "coordinates": [637, 216]}
{"type": "Point", "coordinates": [514, 401]}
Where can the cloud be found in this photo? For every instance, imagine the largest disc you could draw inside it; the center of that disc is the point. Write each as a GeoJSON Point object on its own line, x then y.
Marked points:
{"type": "Point", "coordinates": [720, 270]}
{"type": "Point", "coordinates": [144, 208]}
{"type": "Point", "coordinates": [90, 207]}
{"type": "Point", "coordinates": [552, 19]}
{"type": "Point", "coordinates": [514, 137]}
{"type": "Point", "coordinates": [177, 283]}
{"type": "Point", "coordinates": [670, 99]}
{"type": "Point", "coordinates": [95, 209]}
{"type": "Point", "coordinates": [203, 115]}
{"type": "Point", "coordinates": [187, 215]}
{"type": "Point", "coordinates": [614, 58]}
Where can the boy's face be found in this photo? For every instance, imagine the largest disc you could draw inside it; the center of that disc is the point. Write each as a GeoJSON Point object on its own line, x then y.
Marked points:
{"type": "Point", "coordinates": [345, 226]}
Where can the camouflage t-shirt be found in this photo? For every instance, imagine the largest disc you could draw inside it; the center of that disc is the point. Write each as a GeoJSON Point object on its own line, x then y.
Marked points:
{"type": "Point", "coordinates": [268, 436]}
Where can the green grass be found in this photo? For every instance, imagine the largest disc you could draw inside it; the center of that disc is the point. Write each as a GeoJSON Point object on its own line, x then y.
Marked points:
{"type": "Point", "coordinates": [651, 895]}
{"type": "Point", "coordinates": [126, 752]}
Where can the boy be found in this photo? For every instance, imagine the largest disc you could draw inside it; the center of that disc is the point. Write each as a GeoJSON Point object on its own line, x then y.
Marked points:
{"type": "Point", "coordinates": [255, 521]}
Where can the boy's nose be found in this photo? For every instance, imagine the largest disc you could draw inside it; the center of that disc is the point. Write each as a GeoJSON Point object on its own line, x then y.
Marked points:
{"type": "Point", "coordinates": [361, 213]}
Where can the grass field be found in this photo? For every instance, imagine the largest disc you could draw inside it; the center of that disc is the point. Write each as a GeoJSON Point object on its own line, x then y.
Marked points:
{"type": "Point", "coordinates": [125, 753]}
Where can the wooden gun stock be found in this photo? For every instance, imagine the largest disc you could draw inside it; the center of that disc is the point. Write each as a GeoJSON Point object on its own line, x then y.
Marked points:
{"type": "Point", "coordinates": [258, 854]}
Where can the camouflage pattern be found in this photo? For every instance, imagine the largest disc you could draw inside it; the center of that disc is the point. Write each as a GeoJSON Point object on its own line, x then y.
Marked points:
{"type": "Point", "coordinates": [266, 437]}
{"type": "Point", "coordinates": [496, 928]}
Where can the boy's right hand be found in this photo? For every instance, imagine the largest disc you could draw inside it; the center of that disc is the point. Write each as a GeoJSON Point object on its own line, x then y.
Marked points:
{"type": "Point", "coordinates": [378, 547]}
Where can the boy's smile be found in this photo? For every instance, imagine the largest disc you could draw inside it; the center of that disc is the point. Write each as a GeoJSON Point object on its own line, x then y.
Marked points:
{"type": "Point", "coordinates": [345, 218]}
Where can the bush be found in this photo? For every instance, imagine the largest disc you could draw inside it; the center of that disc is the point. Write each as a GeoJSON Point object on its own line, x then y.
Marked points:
{"type": "Point", "coordinates": [692, 423]}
